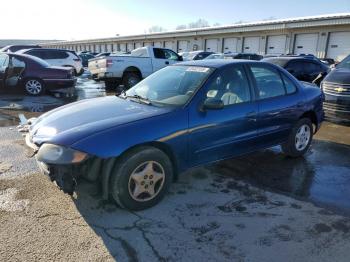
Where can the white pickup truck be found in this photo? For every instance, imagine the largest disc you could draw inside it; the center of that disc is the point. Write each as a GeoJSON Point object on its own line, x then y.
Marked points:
{"type": "Point", "coordinates": [128, 70]}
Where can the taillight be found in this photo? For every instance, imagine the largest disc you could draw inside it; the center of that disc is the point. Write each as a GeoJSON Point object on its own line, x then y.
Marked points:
{"type": "Point", "coordinates": [109, 63]}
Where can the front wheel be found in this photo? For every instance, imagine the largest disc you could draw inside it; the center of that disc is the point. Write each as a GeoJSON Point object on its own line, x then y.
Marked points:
{"type": "Point", "coordinates": [141, 178]}
{"type": "Point", "coordinates": [34, 87]}
{"type": "Point", "coordinates": [299, 139]}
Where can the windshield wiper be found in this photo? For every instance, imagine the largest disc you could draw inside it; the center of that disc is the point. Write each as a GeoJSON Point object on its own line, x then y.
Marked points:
{"type": "Point", "coordinates": [138, 98]}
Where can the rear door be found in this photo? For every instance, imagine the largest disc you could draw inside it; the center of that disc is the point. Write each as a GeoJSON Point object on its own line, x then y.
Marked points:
{"type": "Point", "coordinates": [278, 101]}
{"type": "Point", "coordinates": [4, 61]}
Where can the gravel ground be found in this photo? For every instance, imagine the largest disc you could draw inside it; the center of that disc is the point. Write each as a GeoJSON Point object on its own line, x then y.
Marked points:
{"type": "Point", "coordinates": [207, 216]}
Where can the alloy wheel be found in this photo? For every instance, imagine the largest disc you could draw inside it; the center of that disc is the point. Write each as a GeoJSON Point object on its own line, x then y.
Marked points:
{"type": "Point", "coordinates": [33, 87]}
{"type": "Point", "coordinates": [146, 181]}
{"type": "Point", "coordinates": [302, 137]}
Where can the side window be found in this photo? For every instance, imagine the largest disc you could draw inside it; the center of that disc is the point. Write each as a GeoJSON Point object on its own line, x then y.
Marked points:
{"type": "Point", "coordinates": [4, 61]}
{"type": "Point", "coordinates": [171, 55]}
{"type": "Point", "coordinates": [37, 53]}
{"type": "Point", "coordinates": [159, 53]}
{"type": "Point", "coordinates": [312, 67]}
{"type": "Point", "coordinates": [268, 82]}
{"type": "Point", "coordinates": [290, 86]}
{"type": "Point", "coordinates": [231, 86]}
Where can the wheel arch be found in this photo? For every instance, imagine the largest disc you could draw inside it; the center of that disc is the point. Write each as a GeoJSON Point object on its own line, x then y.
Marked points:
{"type": "Point", "coordinates": [312, 116]}
{"type": "Point", "coordinates": [111, 163]}
{"type": "Point", "coordinates": [132, 69]}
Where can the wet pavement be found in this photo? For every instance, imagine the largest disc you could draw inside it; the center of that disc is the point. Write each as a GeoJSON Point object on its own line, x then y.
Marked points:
{"type": "Point", "coordinates": [322, 176]}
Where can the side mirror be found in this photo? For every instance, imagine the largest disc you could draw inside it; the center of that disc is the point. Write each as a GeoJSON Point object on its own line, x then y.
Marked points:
{"type": "Point", "coordinates": [181, 58]}
{"type": "Point", "coordinates": [212, 104]}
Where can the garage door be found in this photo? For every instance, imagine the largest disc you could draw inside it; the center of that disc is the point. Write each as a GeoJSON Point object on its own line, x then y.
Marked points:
{"type": "Point", "coordinates": [276, 44]}
{"type": "Point", "coordinates": [109, 47]}
{"type": "Point", "coordinates": [212, 45]}
{"type": "Point", "coordinates": [338, 45]}
{"type": "Point", "coordinates": [158, 44]}
{"type": "Point", "coordinates": [306, 44]}
{"type": "Point", "coordinates": [251, 44]}
{"type": "Point", "coordinates": [148, 44]}
{"type": "Point", "coordinates": [130, 47]}
{"type": "Point", "coordinates": [169, 45]}
{"type": "Point", "coordinates": [138, 45]}
{"type": "Point", "coordinates": [122, 47]}
{"type": "Point", "coordinates": [230, 45]}
{"type": "Point", "coordinates": [183, 46]}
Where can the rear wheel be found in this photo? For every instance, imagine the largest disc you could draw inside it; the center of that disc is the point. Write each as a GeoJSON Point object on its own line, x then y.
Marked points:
{"type": "Point", "coordinates": [130, 79]}
{"type": "Point", "coordinates": [111, 85]}
{"type": "Point", "coordinates": [34, 87]}
{"type": "Point", "coordinates": [141, 178]}
{"type": "Point", "coordinates": [299, 139]}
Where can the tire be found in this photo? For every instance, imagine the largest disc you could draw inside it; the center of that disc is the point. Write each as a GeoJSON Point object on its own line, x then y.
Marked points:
{"type": "Point", "coordinates": [299, 139]}
{"type": "Point", "coordinates": [130, 79]}
{"type": "Point", "coordinates": [141, 168]}
{"type": "Point", "coordinates": [34, 87]}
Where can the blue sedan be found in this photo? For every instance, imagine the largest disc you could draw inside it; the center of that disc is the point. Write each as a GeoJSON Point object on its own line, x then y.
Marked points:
{"type": "Point", "coordinates": [182, 116]}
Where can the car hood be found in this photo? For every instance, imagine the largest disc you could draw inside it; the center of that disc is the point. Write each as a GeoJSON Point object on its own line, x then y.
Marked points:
{"type": "Point", "coordinates": [70, 123]}
{"type": "Point", "coordinates": [339, 76]}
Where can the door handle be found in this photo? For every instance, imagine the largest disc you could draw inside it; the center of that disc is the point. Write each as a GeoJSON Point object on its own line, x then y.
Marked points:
{"type": "Point", "coordinates": [167, 62]}
{"type": "Point", "coordinates": [251, 116]}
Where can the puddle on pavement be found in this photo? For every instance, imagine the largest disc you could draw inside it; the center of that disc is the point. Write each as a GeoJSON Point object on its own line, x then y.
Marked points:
{"type": "Point", "coordinates": [322, 176]}
{"type": "Point", "coordinates": [13, 104]}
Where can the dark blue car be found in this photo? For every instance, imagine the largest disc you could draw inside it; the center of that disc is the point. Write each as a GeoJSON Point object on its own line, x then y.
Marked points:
{"type": "Point", "coordinates": [180, 117]}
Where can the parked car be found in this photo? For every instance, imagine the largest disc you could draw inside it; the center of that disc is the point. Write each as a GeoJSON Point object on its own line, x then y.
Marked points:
{"type": "Point", "coordinates": [185, 115]}
{"type": "Point", "coordinates": [15, 48]}
{"type": "Point", "coordinates": [304, 69]}
{"type": "Point", "coordinates": [336, 87]}
{"type": "Point", "coordinates": [245, 56]}
{"type": "Point", "coordinates": [57, 57]}
{"type": "Point", "coordinates": [195, 55]}
{"type": "Point", "coordinates": [131, 69]}
{"type": "Point", "coordinates": [103, 54]}
{"type": "Point", "coordinates": [34, 75]}
{"type": "Point", "coordinates": [85, 57]}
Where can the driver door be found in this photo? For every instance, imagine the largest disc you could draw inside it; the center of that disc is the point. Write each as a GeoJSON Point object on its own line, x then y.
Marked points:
{"type": "Point", "coordinates": [232, 130]}
{"type": "Point", "coordinates": [4, 62]}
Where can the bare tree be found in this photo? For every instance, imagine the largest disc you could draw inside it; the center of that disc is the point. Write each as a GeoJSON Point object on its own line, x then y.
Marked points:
{"type": "Point", "coordinates": [181, 27]}
{"type": "Point", "coordinates": [156, 29]}
{"type": "Point", "coordinates": [199, 24]}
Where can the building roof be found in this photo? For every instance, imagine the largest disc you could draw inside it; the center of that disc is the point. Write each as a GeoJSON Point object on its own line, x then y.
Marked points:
{"type": "Point", "coordinates": [276, 24]}
{"type": "Point", "coordinates": [6, 42]}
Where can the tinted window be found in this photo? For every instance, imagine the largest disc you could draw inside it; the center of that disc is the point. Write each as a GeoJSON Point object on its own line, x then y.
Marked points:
{"type": "Point", "coordinates": [159, 53]}
{"type": "Point", "coordinates": [3, 60]}
{"type": "Point", "coordinates": [290, 86]}
{"type": "Point", "coordinates": [231, 86]}
{"type": "Point", "coordinates": [55, 54]}
{"type": "Point", "coordinates": [268, 82]}
{"type": "Point", "coordinates": [37, 53]}
{"type": "Point", "coordinates": [171, 55]}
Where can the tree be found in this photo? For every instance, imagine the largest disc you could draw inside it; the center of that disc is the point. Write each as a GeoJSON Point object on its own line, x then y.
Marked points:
{"type": "Point", "coordinates": [181, 27]}
{"type": "Point", "coordinates": [156, 29]}
{"type": "Point", "coordinates": [199, 24]}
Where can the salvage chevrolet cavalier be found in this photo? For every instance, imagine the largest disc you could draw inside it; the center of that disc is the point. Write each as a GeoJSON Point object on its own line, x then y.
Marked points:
{"type": "Point", "coordinates": [180, 117]}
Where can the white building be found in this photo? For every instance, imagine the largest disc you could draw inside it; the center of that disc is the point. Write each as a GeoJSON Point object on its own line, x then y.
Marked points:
{"type": "Point", "coordinates": [324, 36]}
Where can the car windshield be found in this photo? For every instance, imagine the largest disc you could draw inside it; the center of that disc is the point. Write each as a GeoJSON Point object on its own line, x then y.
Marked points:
{"type": "Point", "coordinates": [214, 56]}
{"type": "Point", "coordinates": [345, 63]}
{"type": "Point", "coordinates": [170, 86]}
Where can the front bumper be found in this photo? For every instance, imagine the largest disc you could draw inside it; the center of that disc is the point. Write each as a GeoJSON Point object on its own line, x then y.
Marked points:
{"type": "Point", "coordinates": [65, 176]}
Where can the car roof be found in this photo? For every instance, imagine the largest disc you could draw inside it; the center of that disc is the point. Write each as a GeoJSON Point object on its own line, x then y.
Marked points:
{"type": "Point", "coordinates": [217, 63]}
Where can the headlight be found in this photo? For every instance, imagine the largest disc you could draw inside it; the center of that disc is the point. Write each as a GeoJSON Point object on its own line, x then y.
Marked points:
{"type": "Point", "coordinates": [54, 154]}
{"type": "Point", "coordinates": [46, 131]}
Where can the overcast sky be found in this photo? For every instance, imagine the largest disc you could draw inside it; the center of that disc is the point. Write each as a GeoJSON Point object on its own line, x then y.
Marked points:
{"type": "Point", "coordinates": [81, 19]}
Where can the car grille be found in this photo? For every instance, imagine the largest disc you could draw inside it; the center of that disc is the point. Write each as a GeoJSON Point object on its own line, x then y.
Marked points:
{"type": "Point", "coordinates": [336, 89]}
{"type": "Point", "coordinates": [336, 107]}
